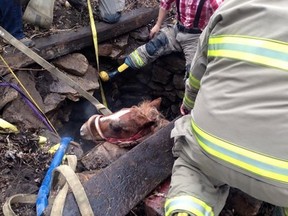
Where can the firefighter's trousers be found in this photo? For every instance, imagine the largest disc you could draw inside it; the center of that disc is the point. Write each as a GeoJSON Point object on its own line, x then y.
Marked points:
{"type": "Point", "coordinates": [197, 175]}
{"type": "Point", "coordinates": [168, 40]}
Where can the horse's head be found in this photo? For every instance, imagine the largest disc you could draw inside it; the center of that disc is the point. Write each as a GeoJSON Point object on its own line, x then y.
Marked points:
{"type": "Point", "coordinates": [125, 126]}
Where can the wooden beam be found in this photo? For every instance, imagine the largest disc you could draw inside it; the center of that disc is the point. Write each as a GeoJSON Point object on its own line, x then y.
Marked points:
{"type": "Point", "coordinates": [66, 42]}
{"type": "Point", "coordinates": [116, 189]}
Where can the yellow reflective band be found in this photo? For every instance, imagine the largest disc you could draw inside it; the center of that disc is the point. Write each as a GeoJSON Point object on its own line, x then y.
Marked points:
{"type": "Point", "coordinates": [194, 82]}
{"type": "Point", "coordinates": [188, 204]}
{"type": "Point", "coordinates": [251, 41]}
{"type": "Point", "coordinates": [262, 51]}
{"type": "Point", "coordinates": [182, 214]}
{"type": "Point", "coordinates": [137, 58]}
{"type": "Point", "coordinates": [248, 160]}
{"type": "Point", "coordinates": [188, 102]}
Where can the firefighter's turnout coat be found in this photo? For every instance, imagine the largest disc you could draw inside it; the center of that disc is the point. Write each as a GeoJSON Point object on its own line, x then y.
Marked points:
{"type": "Point", "coordinates": [237, 133]}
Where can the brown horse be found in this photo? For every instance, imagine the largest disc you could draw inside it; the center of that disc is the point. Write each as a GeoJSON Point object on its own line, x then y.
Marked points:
{"type": "Point", "coordinates": [127, 127]}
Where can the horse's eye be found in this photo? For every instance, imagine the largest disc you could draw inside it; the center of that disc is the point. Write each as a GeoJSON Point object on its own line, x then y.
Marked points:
{"type": "Point", "coordinates": [115, 126]}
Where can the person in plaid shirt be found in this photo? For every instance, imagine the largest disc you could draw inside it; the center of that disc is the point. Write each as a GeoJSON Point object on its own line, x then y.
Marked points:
{"type": "Point", "coordinates": [192, 17]}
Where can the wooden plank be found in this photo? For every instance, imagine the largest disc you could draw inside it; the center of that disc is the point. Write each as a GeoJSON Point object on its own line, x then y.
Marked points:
{"type": "Point", "coordinates": [116, 189]}
{"type": "Point", "coordinates": [63, 43]}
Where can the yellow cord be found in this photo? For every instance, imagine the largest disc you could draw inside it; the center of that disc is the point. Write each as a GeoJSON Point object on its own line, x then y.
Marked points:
{"type": "Point", "coordinates": [27, 93]}
{"type": "Point", "coordinates": [95, 41]}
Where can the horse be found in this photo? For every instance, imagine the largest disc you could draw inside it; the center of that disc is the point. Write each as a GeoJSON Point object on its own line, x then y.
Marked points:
{"type": "Point", "coordinates": [127, 127]}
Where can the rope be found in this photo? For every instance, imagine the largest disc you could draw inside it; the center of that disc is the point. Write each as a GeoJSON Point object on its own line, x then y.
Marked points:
{"type": "Point", "coordinates": [95, 42]}
{"type": "Point", "coordinates": [77, 190]}
{"type": "Point", "coordinates": [18, 198]}
{"type": "Point", "coordinates": [58, 202]}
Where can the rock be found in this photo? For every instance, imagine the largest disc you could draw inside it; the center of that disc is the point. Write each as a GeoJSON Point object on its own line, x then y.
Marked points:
{"type": "Point", "coordinates": [121, 42]}
{"type": "Point", "coordinates": [156, 87]}
{"type": "Point", "coordinates": [141, 34]}
{"type": "Point", "coordinates": [180, 93]}
{"type": "Point", "coordinates": [115, 53]}
{"type": "Point", "coordinates": [29, 82]}
{"type": "Point", "coordinates": [19, 113]}
{"type": "Point", "coordinates": [162, 76]}
{"type": "Point", "coordinates": [178, 81]}
{"type": "Point", "coordinates": [169, 87]}
{"type": "Point", "coordinates": [173, 62]}
{"type": "Point", "coordinates": [102, 155]}
{"type": "Point", "coordinates": [8, 94]}
{"type": "Point", "coordinates": [175, 109]}
{"type": "Point", "coordinates": [88, 82]}
{"type": "Point", "coordinates": [144, 75]}
{"type": "Point", "coordinates": [76, 64]}
{"type": "Point", "coordinates": [52, 101]}
{"type": "Point", "coordinates": [169, 95]}
{"type": "Point", "coordinates": [105, 49]}
{"type": "Point", "coordinates": [133, 88]}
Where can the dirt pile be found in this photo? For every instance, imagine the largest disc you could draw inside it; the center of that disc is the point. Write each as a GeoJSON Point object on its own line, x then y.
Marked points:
{"type": "Point", "coordinates": [22, 167]}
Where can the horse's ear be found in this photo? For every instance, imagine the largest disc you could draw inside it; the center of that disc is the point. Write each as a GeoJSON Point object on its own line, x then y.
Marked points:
{"type": "Point", "coordinates": [156, 103]}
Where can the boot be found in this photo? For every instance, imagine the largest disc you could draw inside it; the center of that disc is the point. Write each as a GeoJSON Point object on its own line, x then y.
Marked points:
{"type": "Point", "coordinates": [26, 41]}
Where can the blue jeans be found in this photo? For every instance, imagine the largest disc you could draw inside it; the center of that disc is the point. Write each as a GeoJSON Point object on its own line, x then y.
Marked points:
{"type": "Point", "coordinates": [11, 17]}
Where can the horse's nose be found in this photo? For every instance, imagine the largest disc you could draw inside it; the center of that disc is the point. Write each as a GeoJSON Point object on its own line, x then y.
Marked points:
{"type": "Point", "coordinates": [115, 126]}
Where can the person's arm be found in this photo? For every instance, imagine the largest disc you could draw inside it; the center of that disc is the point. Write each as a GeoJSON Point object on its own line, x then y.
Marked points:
{"type": "Point", "coordinates": [164, 8]}
{"type": "Point", "coordinates": [156, 28]}
{"type": "Point", "coordinates": [197, 70]}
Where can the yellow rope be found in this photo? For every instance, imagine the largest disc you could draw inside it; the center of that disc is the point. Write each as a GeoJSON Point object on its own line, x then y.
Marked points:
{"type": "Point", "coordinates": [27, 93]}
{"type": "Point", "coordinates": [95, 42]}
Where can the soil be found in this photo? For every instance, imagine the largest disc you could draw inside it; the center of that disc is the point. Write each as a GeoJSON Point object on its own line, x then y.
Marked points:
{"type": "Point", "coordinates": [22, 167]}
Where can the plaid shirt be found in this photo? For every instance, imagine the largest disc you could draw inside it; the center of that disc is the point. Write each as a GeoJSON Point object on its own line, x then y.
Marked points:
{"type": "Point", "coordinates": [188, 10]}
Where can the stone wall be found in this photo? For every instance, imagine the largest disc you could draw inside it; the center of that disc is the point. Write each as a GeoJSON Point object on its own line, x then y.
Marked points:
{"type": "Point", "coordinates": [163, 78]}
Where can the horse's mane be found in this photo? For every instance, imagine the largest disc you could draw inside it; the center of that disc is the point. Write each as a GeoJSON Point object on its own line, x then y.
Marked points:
{"type": "Point", "coordinates": [152, 113]}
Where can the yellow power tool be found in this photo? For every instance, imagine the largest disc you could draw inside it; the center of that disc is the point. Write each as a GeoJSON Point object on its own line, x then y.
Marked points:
{"type": "Point", "coordinates": [106, 76]}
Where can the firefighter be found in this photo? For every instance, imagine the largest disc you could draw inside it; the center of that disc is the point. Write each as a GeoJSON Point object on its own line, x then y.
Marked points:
{"type": "Point", "coordinates": [234, 131]}
{"type": "Point", "coordinates": [192, 17]}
